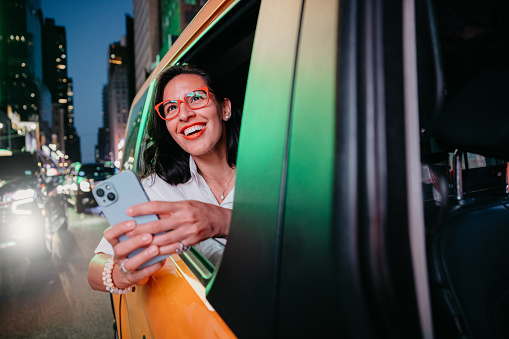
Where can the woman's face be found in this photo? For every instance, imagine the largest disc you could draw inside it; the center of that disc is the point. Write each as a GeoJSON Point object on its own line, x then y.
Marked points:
{"type": "Point", "coordinates": [200, 132]}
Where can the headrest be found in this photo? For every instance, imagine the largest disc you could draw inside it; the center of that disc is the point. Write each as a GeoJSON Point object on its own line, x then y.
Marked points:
{"type": "Point", "coordinates": [476, 118]}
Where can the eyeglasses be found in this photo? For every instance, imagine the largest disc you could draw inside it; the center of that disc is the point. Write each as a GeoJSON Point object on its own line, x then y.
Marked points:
{"type": "Point", "coordinates": [196, 99]}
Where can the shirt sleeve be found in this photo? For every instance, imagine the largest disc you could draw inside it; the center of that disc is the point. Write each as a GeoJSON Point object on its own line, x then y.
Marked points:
{"type": "Point", "coordinates": [104, 247]}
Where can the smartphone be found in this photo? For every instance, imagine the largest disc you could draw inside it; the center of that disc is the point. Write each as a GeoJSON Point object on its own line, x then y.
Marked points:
{"type": "Point", "coordinates": [115, 195]}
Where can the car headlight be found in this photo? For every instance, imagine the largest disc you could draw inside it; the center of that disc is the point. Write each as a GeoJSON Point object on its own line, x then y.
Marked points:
{"type": "Point", "coordinates": [19, 195]}
{"type": "Point", "coordinates": [18, 199]}
{"type": "Point", "coordinates": [85, 186]}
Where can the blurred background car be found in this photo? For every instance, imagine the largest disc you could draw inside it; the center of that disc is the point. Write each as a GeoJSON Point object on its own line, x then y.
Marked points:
{"type": "Point", "coordinates": [33, 205]}
{"type": "Point", "coordinates": [87, 176]}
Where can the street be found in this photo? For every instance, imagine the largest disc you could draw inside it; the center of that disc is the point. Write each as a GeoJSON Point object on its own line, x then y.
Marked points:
{"type": "Point", "coordinates": [51, 298]}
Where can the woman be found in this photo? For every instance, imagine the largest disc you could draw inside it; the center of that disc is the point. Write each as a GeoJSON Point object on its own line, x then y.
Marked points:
{"type": "Point", "coordinates": [189, 176]}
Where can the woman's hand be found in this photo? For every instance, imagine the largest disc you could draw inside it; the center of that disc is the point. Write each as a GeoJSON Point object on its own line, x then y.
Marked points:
{"type": "Point", "coordinates": [190, 222]}
{"type": "Point", "coordinates": [122, 249]}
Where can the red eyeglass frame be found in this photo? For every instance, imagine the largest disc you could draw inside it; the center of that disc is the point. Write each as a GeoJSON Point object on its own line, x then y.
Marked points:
{"type": "Point", "coordinates": [156, 107]}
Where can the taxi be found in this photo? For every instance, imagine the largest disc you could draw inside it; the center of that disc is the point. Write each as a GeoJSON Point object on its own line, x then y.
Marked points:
{"type": "Point", "coordinates": [371, 158]}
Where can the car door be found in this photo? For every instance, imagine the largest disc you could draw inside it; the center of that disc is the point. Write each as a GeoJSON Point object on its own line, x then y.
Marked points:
{"type": "Point", "coordinates": [247, 280]}
{"type": "Point", "coordinates": [327, 195]}
{"type": "Point", "coordinates": [319, 244]}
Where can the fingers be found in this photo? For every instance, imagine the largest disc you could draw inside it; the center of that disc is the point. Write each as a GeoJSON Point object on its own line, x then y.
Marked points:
{"type": "Point", "coordinates": [135, 276]}
{"type": "Point", "coordinates": [154, 227]}
{"type": "Point", "coordinates": [175, 237]}
{"type": "Point", "coordinates": [170, 249]}
{"type": "Point", "coordinates": [189, 222]}
{"type": "Point", "coordinates": [112, 233]}
{"type": "Point", "coordinates": [122, 249]}
{"type": "Point", "coordinates": [152, 207]}
{"type": "Point", "coordinates": [134, 262]}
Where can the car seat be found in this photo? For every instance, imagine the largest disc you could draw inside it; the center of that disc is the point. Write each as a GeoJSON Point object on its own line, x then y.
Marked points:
{"type": "Point", "coordinates": [468, 247]}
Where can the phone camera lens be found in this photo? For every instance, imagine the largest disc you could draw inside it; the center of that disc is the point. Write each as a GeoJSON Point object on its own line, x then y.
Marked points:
{"type": "Point", "coordinates": [111, 196]}
{"type": "Point", "coordinates": [100, 192]}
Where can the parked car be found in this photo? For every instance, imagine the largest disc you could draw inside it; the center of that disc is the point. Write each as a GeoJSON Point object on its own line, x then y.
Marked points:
{"type": "Point", "coordinates": [33, 205]}
{"type": "Point", "coordinates": [88, 175]}
{"type": "Point", "coordinates": [370, 199]}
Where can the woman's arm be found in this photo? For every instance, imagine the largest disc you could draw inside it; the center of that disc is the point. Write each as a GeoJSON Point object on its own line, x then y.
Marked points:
{"type": "Point", "coordinates": [95, 269]}
{"type": "Point", "coordinates": [190, 222]}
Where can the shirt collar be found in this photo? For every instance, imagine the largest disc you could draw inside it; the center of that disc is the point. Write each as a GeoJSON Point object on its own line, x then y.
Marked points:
{"type": "Point", "coordinates": [193, 169]}
{"type": "Point", "coordinates": [202, 184]}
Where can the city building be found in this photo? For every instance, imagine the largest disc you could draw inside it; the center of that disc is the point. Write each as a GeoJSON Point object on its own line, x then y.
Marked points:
{"type": "Point", "coordinates": [36, 110]}
{"type": "Point", "coordinates": [23, 94]}
{"type": "Point", "coordinates": [147, 38]}
{"type": "Point", "coordinates": [102, 149]}
{"type": "Point", "coordinates": [117, 98]}
{"type": "Point", "coordinates": [60, 86]}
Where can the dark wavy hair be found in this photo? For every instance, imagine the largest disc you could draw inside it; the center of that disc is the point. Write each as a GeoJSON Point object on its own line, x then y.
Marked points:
{"type": "Point", "coordinates": [163, 156]}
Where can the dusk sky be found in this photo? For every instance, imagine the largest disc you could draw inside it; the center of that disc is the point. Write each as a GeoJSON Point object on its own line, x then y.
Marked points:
{"type": "Point", "coordinates": [91, 26]}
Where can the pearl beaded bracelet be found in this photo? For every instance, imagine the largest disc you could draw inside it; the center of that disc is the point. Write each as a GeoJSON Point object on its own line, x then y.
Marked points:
{"type": "Point", "coordinates": [108, 279]}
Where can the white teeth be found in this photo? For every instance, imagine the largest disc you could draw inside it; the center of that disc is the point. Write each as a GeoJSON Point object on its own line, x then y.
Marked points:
{"type": "Point", "coordinates": [192, 129]}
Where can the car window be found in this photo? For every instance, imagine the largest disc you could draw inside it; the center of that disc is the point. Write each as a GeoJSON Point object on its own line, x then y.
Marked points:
{"type": "Point", "coordinates": [469, 46]}
{"type": "Point", "coordinates": [23, 164]}
{"type": "Point", "coordinates": [225, 50]}
{"type": "Point", "coordinates": [133, 128]}
{"type": "Point", "coordinates": [97, 172]}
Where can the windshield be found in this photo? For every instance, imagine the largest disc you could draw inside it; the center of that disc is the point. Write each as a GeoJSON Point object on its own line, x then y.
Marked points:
{"type": "Point", "coordinates": [18, 165]}
{"type": "Point", "coordinates": [96, 171]}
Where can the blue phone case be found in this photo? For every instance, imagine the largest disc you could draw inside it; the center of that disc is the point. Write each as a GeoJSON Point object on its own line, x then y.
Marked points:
{"type": "Point", "coordinates": [118, 193]}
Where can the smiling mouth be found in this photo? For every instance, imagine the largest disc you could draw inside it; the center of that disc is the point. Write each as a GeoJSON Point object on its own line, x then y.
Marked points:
{"type": "Point", "coordinates": [193, 130]}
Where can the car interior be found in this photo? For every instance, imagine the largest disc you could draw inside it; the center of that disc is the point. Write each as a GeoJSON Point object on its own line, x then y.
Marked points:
{"type": "Point", "coordinates": [465, 148]}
